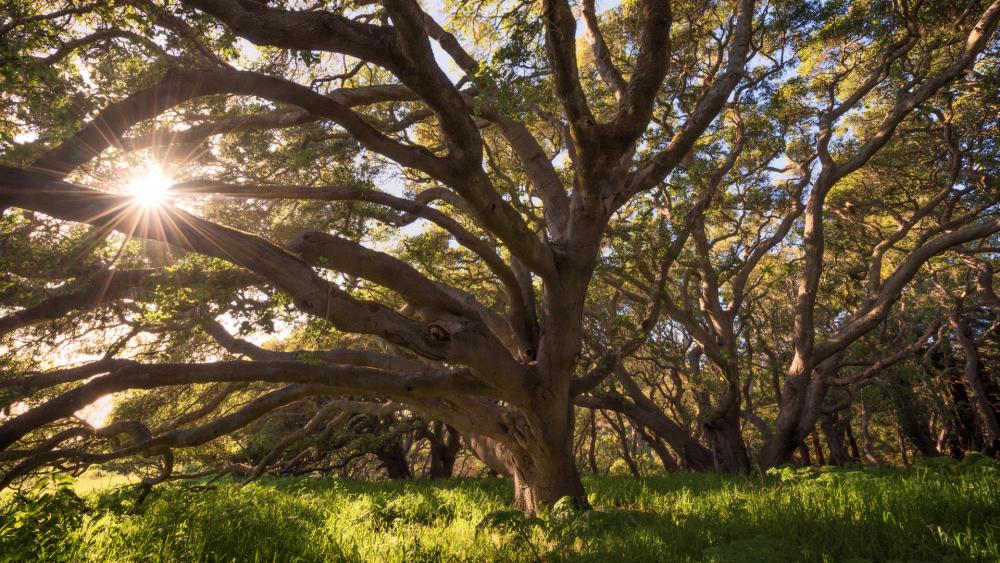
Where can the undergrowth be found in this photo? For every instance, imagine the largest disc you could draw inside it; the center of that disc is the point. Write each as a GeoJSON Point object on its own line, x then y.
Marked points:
{"type": "Point", "coordinates": [938, 511]}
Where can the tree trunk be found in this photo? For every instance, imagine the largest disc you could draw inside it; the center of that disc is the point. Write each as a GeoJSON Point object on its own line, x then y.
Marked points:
{"type": "Point", "coordinates": [820, 460]}
{"type": "Point", "coordinates": [693, 455]}
{"type": "Point", "coordinates": [391, 454]}
{"type": "Point", "coordinates": [804, 459]}
{"type": "Point", "coordinates": [963, 416]}
{"type": "Point", "coordinates": [592, 446]}
{"type": "Point", "coordinates": [834, 434]}
{"type": "Point", "coordinates": [797, 417]}
{"type": "Point", "coordinates": [668, 461]}
{"type": "Point", "coordinates": [544, 471]}
{"type": "Point", "coordinates": [394, 461]}
{"type": "Point", "coordinates": [726, 440]}
{"type": "Point", "coordinates": [985, 416]}
{"type": "Point", "coordinates": [867, 442]}
{"type": "Point", "coordinates": [915, 426]}
{"type": "Point", "coordinates": [619, 427]}
{"type": "Point", "coordinates": [545, 468]}
{"type": "Point", "coordinates": [545, 477]}
{"type": "Point", "coordinates": [904, 458]}
{"type": "Point", "coordinates": [445, 445]}
{"type": "Point", "coordinates": [853, 443]}
{"type": "Point", "coordinates": [799, 410]}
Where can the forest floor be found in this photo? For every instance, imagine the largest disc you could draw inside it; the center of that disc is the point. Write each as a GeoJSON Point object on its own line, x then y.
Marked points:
{"type": "Point", "coordinates": [938, 511]}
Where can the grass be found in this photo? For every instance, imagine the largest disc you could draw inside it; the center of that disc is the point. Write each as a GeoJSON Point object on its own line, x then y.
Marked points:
{"type": "Point", "coordinates": [943, 511]}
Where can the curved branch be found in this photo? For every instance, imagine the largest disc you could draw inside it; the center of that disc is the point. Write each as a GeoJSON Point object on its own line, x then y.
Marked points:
{"type": "Point", "coordinates": [602, 56]}
{"type": "Point", "coordinates": [312, 294]}
{"type": "Point", "coordinates": [417, 208]}
{"type": "Point", "coordinates": [560, 45]}
{"type": "Point", "coordinates": [107, 286]}
{"type": "Point", "coordinates": [96, 37]}
{"type": "Point", "coordinates": [636, 108]}
{"type": "Point", "coordinates": [707, 109]}
{"type": "Point", "coordinates": [313, 30]}
{"type": "Point", "coordinates": [877, 310]}
{"type": "Point", "coordinates": [335, 378]}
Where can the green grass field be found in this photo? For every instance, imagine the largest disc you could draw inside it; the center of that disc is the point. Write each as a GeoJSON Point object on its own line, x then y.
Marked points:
{"type": "Point", "coordinates": [939, 512]}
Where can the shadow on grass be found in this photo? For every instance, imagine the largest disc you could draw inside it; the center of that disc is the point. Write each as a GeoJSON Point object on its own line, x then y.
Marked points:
{"type": "Point", "coordinates": [943, 513]}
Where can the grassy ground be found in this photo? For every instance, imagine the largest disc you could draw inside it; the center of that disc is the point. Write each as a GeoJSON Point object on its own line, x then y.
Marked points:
{"type": "Point", "coordinates": [939, 512]}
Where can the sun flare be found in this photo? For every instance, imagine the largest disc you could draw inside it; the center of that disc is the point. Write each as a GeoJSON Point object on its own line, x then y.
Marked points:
{"type": "Point", "coordinates": [97, 413]}
{"type": "Point", "coordinates": [151, 188]}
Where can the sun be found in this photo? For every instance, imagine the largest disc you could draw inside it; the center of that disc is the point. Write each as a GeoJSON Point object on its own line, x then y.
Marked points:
{"type": "Point", "coordinates": [151, 188]}
{"type": "Point", "coordinates": [97, 413]}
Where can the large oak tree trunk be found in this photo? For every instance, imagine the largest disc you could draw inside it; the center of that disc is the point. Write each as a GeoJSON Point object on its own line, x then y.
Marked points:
{"type": "Point", "coordinates": [793, 424]}
{"type": "Point", "coordinates": [544, 466]}
{"type": "Point", "coordinates": [545, 477]}
{"type": "Point", "coordinates": [544, 470]}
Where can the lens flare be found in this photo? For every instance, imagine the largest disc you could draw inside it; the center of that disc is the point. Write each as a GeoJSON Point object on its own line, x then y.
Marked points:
{"type": "Point", "coordinates": [151, 188]}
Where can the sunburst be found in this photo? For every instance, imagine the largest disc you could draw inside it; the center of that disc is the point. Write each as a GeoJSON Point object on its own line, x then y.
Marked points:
{"type": "Point", "coordinates": [151, 187]}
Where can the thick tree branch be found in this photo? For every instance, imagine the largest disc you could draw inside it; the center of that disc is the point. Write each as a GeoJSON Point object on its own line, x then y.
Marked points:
{"type": "Point", "coordinates": [707, 109]}
{"type": "Point", "coordinates": [602, 56]}
{"type": "Point", "coordinates": [335, 378]}
{"type": "Point", "coordinates": [311, 293]}
{"type": "Point", "coordinates": [876, 311]}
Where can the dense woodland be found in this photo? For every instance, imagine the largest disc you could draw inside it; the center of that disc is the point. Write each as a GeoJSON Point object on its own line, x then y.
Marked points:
{"type": "Point", "coordinates": [534, 239]}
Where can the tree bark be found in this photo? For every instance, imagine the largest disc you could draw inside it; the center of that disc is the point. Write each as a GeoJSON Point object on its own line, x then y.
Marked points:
{"type": "Point", "coordinates": [853, 443]}
{"type": "Point", "coordinates": [867, 443]}
{"type": "Point", "coordinates": [985, 416]}
{"type": "Point", "coordinates": [833, 430]}
{"type": "Point", "coordinates": [820, 460]}
{"type": "Point", "coordinates": [693, 455]}
{"type": "Point", "coordinates": [445, 445]}
{"type": "Point", "coordinates": [543, 477]}
{"type": "Point", "coordinates": [912, 421]}
{"type": "Point", "coordinates": [725, 436]}
{"type": "Point", "coordinates": [804, 458]}
{"type": "Point", "coordinates": [394, 462]}
{"type": "Point", "coordinates": [668, 461]}
{"type": "Point", "coordinates": [619, 427]}
{"type": "Point", "coordinates": [544, 470]}
{"type": "Point", "coordinates": [904, 458]}
{"type": "Point", "coordinates": [964, 429]}
{"type": "Point", "coordinates": [799, 409]}
{"type": "Point", "coordinates": [592, 446]}
{"type": "Point", "coordinates": [649, 414]}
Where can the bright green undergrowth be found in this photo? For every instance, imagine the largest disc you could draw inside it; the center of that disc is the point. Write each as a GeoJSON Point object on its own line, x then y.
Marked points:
{"type": "Point", "coordinates": [940, 511]}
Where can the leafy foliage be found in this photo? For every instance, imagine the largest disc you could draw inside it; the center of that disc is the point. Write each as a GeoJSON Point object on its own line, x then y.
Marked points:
{"type": "Point", "coordinates": [939, 511]}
